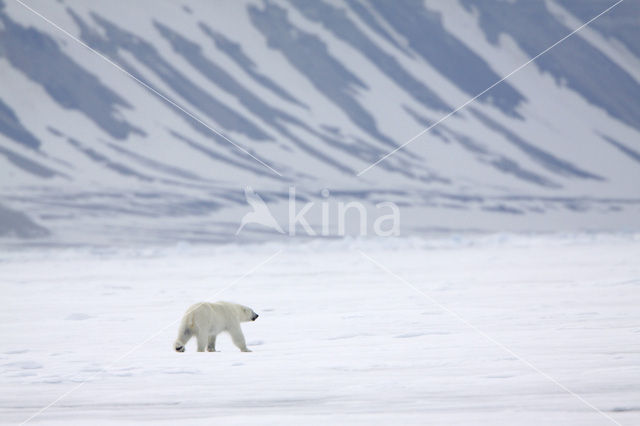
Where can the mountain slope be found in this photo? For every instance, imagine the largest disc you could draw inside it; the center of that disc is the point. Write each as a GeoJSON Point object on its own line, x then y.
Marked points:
{"type": "Point", "coordinates": [317, 91]}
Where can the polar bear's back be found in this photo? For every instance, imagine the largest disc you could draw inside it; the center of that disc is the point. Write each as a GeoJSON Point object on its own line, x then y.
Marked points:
{"type": "Point", "coordinates": [211, 316]}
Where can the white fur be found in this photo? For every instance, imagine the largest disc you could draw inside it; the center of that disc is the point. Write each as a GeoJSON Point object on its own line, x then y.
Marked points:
{"type": "Point", "coordinates": [206, 320]}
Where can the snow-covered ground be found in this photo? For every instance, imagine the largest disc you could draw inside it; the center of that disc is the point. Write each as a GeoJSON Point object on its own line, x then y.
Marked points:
{"type": "Point", "coordinates": [340, 339]}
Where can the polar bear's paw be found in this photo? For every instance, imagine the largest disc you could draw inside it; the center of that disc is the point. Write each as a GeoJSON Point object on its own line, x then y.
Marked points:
{"type": "Point", "coordinates": [179, 348]}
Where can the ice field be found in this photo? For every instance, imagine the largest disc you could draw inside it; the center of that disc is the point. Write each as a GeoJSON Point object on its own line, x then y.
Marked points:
{"type": "Point", "coordinates": [469, 330]}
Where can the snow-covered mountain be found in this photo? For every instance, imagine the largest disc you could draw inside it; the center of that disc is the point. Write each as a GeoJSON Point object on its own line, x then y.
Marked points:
{"type": "Point", "coordinates": [309, 93]}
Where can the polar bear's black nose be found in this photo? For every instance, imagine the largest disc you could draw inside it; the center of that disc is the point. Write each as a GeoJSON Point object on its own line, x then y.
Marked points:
{"type": "Point", "coordinates": [254, 316]}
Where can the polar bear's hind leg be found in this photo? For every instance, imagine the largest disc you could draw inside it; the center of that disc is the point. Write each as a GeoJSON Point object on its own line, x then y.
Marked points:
{"type": "Point", "coordinates": [184, 334]}
{"type": "Point", "coordinates": [211, 347]}
{"type": "Point", "coordinates": [203, 340]}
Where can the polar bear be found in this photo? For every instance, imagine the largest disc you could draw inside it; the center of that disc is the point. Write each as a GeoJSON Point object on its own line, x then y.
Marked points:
{"type": "Point", "coordinates": [206, 320]}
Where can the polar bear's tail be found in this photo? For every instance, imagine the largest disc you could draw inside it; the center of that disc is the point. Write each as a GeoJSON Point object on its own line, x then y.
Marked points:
{"type": "Point", "coordinates": [184, 334]}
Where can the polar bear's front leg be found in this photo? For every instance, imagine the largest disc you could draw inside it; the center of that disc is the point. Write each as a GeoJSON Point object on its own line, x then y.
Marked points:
{"type": "Point", "coordinates": [211, 347]}
{"type": "Point", "coordinates": [238, 338]}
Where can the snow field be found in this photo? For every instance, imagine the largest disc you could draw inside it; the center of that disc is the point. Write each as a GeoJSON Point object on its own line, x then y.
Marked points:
{"type": "Point", "coordinates": [338, 339]}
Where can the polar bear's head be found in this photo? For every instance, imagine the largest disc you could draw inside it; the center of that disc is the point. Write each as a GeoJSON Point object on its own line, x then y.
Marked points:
{"type": "Point", "coordinates": [246, 313]}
